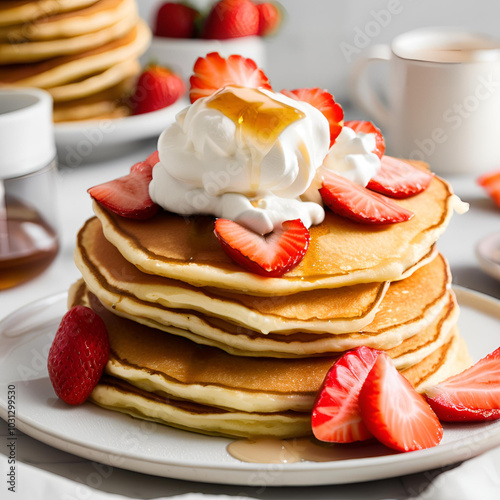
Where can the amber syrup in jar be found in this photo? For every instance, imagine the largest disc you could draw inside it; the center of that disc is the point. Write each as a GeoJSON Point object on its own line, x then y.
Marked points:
{"type": "Point", "coordinates": [28, 235]}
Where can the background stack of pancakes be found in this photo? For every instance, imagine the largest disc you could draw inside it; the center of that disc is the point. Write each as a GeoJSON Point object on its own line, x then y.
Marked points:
{"type": "Point", "coordinates": [84, 52]}
{"type": "Point", "coordinates": [199, 343]}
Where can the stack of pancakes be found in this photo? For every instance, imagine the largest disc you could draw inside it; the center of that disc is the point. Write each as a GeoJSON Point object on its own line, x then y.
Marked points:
{"type": "Point", "coordinates": [199, 343]}
{"type": "Point", "coordinates": [83, 52]}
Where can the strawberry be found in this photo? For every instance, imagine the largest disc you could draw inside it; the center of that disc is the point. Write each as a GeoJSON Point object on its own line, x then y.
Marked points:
{"type": "Point", "coordinates": [270, 255]}
{"type": "Point", "coordinates": [176, 20]}
{"type": "Point", "coordinates": [270, 17]}
{"type": "Point", "coordinates": [399, 179]}
{"type": "Point", "coordinates": [359, 204]}
{"type": "Point", "coordinates": [491, 184]}
{"type": "Point", "coordinates": [323, 101]}
{"type": "Point", "coordinates": [212, 72]}
{"type": "Point", "coordinates": [335, 415]}
{"type": "Point", "coordinates": [231, 19]}
{"type": "Point", "coordinates": [78, 355]}
{"type": "Point", "coordinates": [156, 88]}
{"type": "Point", "coordinates": [471, 395]}
{"type": "Point", "coordinates": [394, 412]}
{"type": "Point", "coordinates": [366, 127]}
{"type": "Point", "coordinates": [128, 196]}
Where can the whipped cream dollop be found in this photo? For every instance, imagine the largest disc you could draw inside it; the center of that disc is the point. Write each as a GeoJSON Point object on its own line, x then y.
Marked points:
{"type": "Point", "coordinates": [243, 154]}
{"type": "Point", "coordinates": [352, 156]}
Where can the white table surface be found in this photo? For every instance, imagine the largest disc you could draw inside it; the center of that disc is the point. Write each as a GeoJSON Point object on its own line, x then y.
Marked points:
{"type": "Point", "coordinates": [74, 477]}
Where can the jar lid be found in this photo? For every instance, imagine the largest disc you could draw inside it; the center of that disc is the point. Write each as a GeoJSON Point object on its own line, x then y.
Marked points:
{"type": "Point", "coordinates": [26, 131]}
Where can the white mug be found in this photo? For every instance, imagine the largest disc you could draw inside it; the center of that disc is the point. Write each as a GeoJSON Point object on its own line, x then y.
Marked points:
{"type": "Point", "coordinates": [443, 98]}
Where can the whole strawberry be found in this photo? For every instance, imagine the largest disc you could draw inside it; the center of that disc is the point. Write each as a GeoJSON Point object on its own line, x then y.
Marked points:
{"type": "Point", "coordinates": [156, 88]}
{"type": "Point", "coordinates": [176, 20]}
{"type": "Point", "coordinates": [269, 18]}
{"type": "Point", "coordinates": [78, 355]}
{"type": "Point", "coordinates": [231, 19]}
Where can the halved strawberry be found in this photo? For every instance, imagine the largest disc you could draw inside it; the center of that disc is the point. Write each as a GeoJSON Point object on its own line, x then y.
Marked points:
{"type": "Point", "coordinates": [212, 72]}
{"type": "Point", "coordinates": [359, 204]}
{"type": "Point", "coordinates": [471, 395]}
{"type": "Point", "coordinates": [128, 196]}
{"type": "Point", "coordinates": [367, 127]}
{"type": "Point", "coordinates": [322, 100]}
{"type": "Point", "coordinates": [399, 179]}
{"type": "Point", "coordinates": [335, 416]}
{"type": "Point", "coordinates": [491, 184]}
{"type": "Point", "coordinates": [394, 412]}
{"type": "Point", "coordinates": [270, 255]}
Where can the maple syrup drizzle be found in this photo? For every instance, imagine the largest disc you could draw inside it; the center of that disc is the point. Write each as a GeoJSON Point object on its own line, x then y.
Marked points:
{"type": "Point", "coordinates": [287, 451]}
{"type": "Point", "coordinates": [259, 121]}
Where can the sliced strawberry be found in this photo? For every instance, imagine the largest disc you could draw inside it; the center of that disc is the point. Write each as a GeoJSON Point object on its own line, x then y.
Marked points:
{"type": "Point", "coordinates": [471, 395]}
{"type": "Point", "coordinates": [322, 100]}
{"type": "Point", "coordinates": [394, 412]}
{"type": "Point", "coordinates": [491, 184]}
{"type": "Point", "coordinates": [359, 204]}
{"type": "Point", "coordinates": [231, 19]}
{"type": "Point", "coordinates": [270, 255]}
{"type": "Point", "coordinates": [212, 72]}
{"type": "Point", "coordinates": [369, 128]}
{"type": "Point", "coordinates": [399, 179]}
{"type": "Point", "coordinates": [78, 355]}
{"type": "Point", "coordinates": [128, 196]}
{"type": "Point", "coordinates": [335, 416]}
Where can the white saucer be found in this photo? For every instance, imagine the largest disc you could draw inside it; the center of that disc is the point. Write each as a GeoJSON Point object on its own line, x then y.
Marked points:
{"type": "Point", "coordinates": [84, 141]}
{"type": "Point", "coordinates": [488, 254]}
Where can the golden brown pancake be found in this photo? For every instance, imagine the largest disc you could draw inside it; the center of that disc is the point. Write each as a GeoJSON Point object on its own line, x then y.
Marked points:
{"type": "Point", "coordinates": [28, 52]}
{"type": "Point", "coordinates": [237, 398]}
{"type": "Point", "coordinates": [324, 310]}
{"type": "Point", "coordinates": [61, 70]}
{"type": "Point", "coordinates": [109, 101]}
{"type": "Point", "coordinates": [15, 12]}
{"type": "Point", "coordinates": [341, 252]}
{"type": "Point", "coordinates": [90, 86]}
{"type": "Point", "coordinates": [98, 15]}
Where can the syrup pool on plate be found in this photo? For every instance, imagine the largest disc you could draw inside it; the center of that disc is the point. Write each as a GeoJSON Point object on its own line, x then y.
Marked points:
{"type": "Point", "coordinates": [288, 451]}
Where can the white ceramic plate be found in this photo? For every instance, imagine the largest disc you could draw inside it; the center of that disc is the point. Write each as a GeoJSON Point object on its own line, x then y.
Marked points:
{"type": "Point", "coordinates": [83, 137]}
{"type": "Point", "coordinates": [488, 254]}
{"type": "Point", "coordinates": [120, 441]}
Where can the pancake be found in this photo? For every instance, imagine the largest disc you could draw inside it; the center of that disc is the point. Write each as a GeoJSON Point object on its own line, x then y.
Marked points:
{"type": "Point", "coordinates": [109, 101]}
{"type": "Point", "coordinates": [94, 84]}
{"type": "Point", "coordinates": [100, 14]}
{"type": "Point", "coordinates": [27, 52]}
{"type": "Point", "coordinates": [117, 395]}
{"type": "Point", "coordinates": [396, 321]}
{"type": "Point", "coordinates": [65, 69]}
{"type": "Point", "coordinates": [336, 310]}
{"type": "Point", "coordinates": [341, 252]}
{"type": "Point", "coordinates": [14, 12]}
{"type": "Point", "coordinates": [326, 310]}
{"type": "Point", "coordinates": [168, 377]}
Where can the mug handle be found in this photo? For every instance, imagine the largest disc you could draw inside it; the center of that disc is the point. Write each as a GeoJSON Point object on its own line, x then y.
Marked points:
{"type": "Point", "coordinates": [362, 93]}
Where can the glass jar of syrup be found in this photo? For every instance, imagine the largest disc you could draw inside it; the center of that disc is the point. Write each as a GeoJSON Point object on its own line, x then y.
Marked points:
{"type": "Point", "coordinates": [28, 176]}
